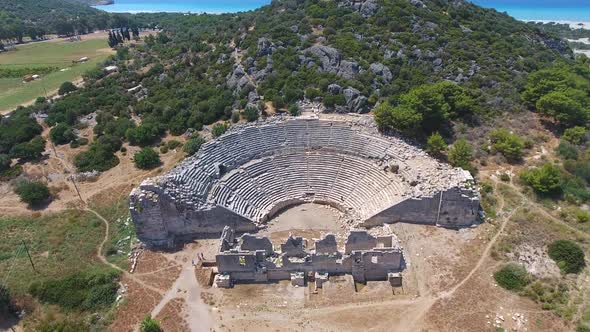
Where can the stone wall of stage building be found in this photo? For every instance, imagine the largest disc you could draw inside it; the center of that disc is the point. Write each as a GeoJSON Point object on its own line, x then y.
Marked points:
{"type": "Point", "coordinates": [453, 208]}
{"type": "Point", "coordinates": [159, 223]}
{"type": "Point", "coordinates": [259, 264]}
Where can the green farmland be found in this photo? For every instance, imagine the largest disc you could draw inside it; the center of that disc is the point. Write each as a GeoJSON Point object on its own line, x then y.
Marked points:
{"type": "Point", "coordinates": [59, 54]}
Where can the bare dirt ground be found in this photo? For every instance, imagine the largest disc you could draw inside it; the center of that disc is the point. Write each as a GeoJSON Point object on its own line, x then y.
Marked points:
{"type": "Point", "coordinates": [448, 286]}
{"type": "Point", "coordinates": [56, 169]}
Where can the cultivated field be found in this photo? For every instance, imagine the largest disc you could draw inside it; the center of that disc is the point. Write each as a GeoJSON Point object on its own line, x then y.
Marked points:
{"type": "Point", "coordinates": [54, 53]}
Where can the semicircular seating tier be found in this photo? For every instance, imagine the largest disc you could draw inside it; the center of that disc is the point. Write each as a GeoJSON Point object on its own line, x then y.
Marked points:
{"type": "Point", "coordinates": [247, 175]}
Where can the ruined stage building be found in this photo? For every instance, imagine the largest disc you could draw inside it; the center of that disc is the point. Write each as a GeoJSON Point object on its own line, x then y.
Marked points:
{"type": "Point", "coordinates": [250, 259]}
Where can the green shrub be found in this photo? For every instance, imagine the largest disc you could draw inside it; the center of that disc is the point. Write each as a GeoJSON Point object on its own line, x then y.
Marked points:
{"type": "Point", "coordinates": [235, 117]}
{"type": "Point", "coordinates": [66, 87]}
{"type": "Point", "coordinates": [461, 154]}
{"type": "Point", "coordinates": [568, 255]}
{"type": "Point", "coordinates": [173, 144]}
{"type": "Point", "coordinates": [581, 327]}
{"type": "Point", "coordinates": [575, 135]}
{"type": "Point", "coordinates": [504, 177]}
{"type": "Point", "coordinates": [251, 114]}
{"type": "Point", "coordinates": [582, 216]}
{"type": "Point", "coordinates": [5, 162]}
{"type": "Point", "coordinates": [80, 291]}
{"type": "Point", "coordinates": [193, 145]}
{"type": "Point", "coordinates": [163, 149]}
{"type": "Point", "coordinates": [403, 119]}
{"type": "Point", "coordinates": [148, 324]}
{"type": "Point", "coordinates": [28, 151]}
{"type": "Point", "coordinates": [512, 277]}
{"type": "Point", "coordinates": [100, 157]}
{"type": "Point", "coordinates": [69, 325]}
{"type": "Point", "coordinates": [143, 135]}
{"type": "Point", "coordinates": [219, 129]}
{"type": "Point", "coordinates": [294, 110]}
{"type": "Point", "coordinates": [509, 145]}
{"type": "Point", "coordinates": [19, 72]}
{"type": "Point", "coordinates": [435, 145]}
{"type": "Point", "coordinates": [567, 150]}
{"type": "Point", "coordinates": [146, 158]}
{"type": "Point", "coordinates": [545, 180]}
{"type": "Point", "coordinates": [62, 134]}
{"type": "Point", "coordinates": [32, 192]}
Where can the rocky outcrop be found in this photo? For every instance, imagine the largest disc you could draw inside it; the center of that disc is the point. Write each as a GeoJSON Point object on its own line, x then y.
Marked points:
{"type": "Point", "coordinates": [558, 45]}
{"type": "Point", "coordinates": [237, 79]}
{"type": "Point", "coordinates": [329, 60]}
{"type": "Point", "coordinates": [382, 71]}
{"type": "Point", "coordinates": [265, 47]}
{"type": "Point", "coordinates": [364, 7]}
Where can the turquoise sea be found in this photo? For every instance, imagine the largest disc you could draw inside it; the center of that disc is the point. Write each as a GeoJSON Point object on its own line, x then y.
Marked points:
{"type": "Point", "coordinates": [573, 10]}
{"type": "Point", "coordinates": [557, 10]}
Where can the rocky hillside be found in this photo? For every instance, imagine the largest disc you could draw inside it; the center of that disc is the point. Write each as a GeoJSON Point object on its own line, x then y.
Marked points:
{"type": "Point", "coordinates": [96, 2]}
{"type": "Point", "coordinates": [351, 54]}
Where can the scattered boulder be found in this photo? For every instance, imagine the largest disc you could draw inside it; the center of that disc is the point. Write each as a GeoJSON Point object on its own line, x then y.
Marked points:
{"type": "Point", "coordinates": [381, 70]}
{"type": "Point", "coordinates": [348, 69]}
{"type": "Point", "coordinates": [264, 47]}
{"type": "Point", "coordinates": [355, 102]}
{"type": "Point", "coordinates": [334, 89]}
{"type": "Point", "coordinates": [329, 57]}
{"type": "Point", "coordinates": [330, 61]}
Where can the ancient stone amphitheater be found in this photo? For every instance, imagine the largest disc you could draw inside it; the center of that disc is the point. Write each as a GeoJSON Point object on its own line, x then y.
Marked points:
{"type": "Point", "coordinates": [253, 171]}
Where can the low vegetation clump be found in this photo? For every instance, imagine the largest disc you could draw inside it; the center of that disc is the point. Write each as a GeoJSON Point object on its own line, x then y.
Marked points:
{"type": "Point", "coordinates": [19, 72]}
{"type": "Point", "coordinates": [80, 291]}
{"type": "Point", "coordinates": [294, 110]}
{"type": "Point", "coordinates": [512, 277]}
{"type": "Point", "coordinates": [545, 180]}
{"type": "Point", "coordinates": [582, 216]}
{"type": "Point", "coordinates": [100, 156]}
{"type": "Point", "coordinates": [461, 154]}
{"type": "Point", "coordinates": [436, 145]}
{"type": "Point", "coordinates": [5, 162]}
{"type": "Point", "coordinates": [567, 150]}
{"type": "Point", "coordinates": [32, 192]}
{"type": "Point", "coordinates": [173, 144]}
{"type": "Point", "coordinates": [568, 255]}
{"type": "Point", "coordinates": [560, 92]}
{"type": "Point", "coordinates": [219, 129]}
{"type": "Point", "coordinates": [426, 108]}
{"type": "Point", "coordinates": [193, 145]}
{"type": "Point", "coordinates": [146, 158]}
{"type": "Point", "coordinates": [551, 294]}
{"type": "Point", "coordinates": [66, 87]}
{"type": "Point", "coordinates": [62, 134]}
{"type": "Point", "coordinates": [251, 113]}
{"type": "Point", "coordinates": [575, 135]}
{"type": "Point", "coordinates": [508, 144]}
{"type": "Point", "coordinates": [148, 324]}
{"type": "Point", "coordinates": [29, 151]}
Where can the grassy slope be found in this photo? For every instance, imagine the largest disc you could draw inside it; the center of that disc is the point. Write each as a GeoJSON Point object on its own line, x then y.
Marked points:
{"type": "Point", "coordinates": [59, 244]}
{"type": "Point", "coordinates": [60, 54]}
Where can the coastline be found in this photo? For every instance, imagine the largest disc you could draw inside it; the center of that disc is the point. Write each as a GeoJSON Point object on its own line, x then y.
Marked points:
{"type": "Point", "coordinates": [573, 24]}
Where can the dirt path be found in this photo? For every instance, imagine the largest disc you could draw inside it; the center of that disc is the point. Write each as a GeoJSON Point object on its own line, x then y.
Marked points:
{"type": "Point", "coordinates": [187, 288]}
{"type": "Point", "coordinates": [104, 260]}
{"type": "Point", "coordinates": [413, 319]}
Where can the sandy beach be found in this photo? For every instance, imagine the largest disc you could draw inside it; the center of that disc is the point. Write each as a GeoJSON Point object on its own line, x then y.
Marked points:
{"type": "Point", "coordinates": [572, 24]}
